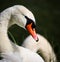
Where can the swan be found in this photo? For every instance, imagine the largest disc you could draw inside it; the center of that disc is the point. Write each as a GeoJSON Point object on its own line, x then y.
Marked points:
{"type": "Point", "coordinates": [42, 46]}
{"type": "Point", "coordinates": [10, 52]}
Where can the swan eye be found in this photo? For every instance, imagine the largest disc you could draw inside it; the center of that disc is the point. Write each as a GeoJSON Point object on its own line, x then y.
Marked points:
{"type": "Point", "coordinates": [29, 21]}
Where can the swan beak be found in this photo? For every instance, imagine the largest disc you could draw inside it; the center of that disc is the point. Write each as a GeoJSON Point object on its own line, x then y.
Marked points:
{"type": "Point", "coordinates": [32, 31]}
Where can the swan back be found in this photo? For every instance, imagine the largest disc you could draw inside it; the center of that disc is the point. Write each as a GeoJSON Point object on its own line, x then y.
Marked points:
{"type": "Point", "coordinates": [11, 57]}
{"type": "Point", "coordinates": [43, 46]}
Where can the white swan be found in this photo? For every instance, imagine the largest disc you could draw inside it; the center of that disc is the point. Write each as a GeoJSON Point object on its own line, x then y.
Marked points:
{"type": "Point", "coordinates": [11, 52]}
{"type": "Point", "coordinates": [42, 46]}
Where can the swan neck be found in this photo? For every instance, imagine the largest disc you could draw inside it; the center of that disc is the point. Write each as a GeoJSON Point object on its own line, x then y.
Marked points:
{"type": "Point", "coordinates": [5, 44]}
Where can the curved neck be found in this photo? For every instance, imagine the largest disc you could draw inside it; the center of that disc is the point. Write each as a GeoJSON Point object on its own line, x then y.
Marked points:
{"type": "Point", "coordinates": [5, 44]}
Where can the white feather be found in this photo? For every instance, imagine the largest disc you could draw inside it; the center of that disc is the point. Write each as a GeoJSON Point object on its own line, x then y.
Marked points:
{"type": "Point", "coordinates": [43, 46]}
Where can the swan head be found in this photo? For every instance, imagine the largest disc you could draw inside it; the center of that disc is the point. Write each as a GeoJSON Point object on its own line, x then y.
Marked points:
{"type": "Point", "coordinates": [25, 18]}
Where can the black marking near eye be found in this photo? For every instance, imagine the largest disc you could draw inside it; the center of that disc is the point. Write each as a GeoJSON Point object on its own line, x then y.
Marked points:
{"type": "Point", "coordinates": [30, 21]}
{"type": "Point", "coordinates": [33, 25]}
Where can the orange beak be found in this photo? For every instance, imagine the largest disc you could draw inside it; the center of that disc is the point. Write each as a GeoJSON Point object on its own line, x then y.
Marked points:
{"type": "Point", "coordinates": [32, 31]}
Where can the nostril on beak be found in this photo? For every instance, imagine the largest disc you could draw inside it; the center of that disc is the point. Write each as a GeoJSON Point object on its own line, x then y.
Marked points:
{"type": "Point", "coordinates": [37, 39]}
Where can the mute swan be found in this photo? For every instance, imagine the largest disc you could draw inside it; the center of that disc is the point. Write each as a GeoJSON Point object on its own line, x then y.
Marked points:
{"type": "Point", "coordinates": [11, 52]}
{"type": "Point", "coordinates": [42, 46]}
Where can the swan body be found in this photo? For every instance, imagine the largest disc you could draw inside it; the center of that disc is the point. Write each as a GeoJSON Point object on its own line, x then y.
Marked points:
{"type": "Point", "coordinates": [9, 51]}
{"type": "Point", "coordinates": [42, 46]}
{"type": "Point", "coordinates": [21, 55]}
